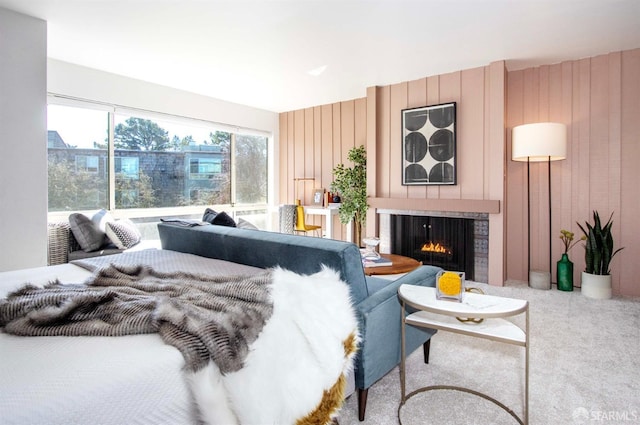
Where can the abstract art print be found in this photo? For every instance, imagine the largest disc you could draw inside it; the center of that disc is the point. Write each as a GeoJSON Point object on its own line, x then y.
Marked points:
{"type": "Point", "coordinates": [429, 145]}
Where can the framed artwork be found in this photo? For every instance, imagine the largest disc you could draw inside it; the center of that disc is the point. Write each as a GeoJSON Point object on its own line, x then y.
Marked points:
{"type": "Point", "coordinates": [318, 197]}
{"type": "Point", "coordinates": [429, 145]}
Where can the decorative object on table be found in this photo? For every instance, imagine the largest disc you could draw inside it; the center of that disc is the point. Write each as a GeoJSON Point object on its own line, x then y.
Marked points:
{"type": "Point", "coordinates": [472, 319]}
{"type": "Point", "coordinates": [370, 244]}
{"type": "Point", "coordinates": [351, 183]}
{"type": "Point", "coordinates": [450, 285]}
{"type": "Point", "coordinates": [564, 267]}
{"type": "Point", "coordinates": [318, 197]}
{"type": "Point", "coordinates": [376, 262]}
{"type": "Point", "coordinates": [540, 142]}
{"type": "Point", "coordinates": [429, 145]}
{"type": "Point", "coordinates": [598, 253]}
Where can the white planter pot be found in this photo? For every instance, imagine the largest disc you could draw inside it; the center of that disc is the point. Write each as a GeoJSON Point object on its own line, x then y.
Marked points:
{"type": "Point", "coordinates": [596, 286]}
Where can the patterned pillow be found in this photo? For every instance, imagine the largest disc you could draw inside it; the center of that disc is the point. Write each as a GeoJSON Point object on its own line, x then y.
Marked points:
{"type": "Point", "coordinates": [209, 215]}
{"type": "Point", "coordinates": [123, 233]}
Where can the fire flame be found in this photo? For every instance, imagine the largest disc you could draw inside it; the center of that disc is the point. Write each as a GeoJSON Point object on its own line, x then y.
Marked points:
{"type": "Point", "coordinates": [437, 247]}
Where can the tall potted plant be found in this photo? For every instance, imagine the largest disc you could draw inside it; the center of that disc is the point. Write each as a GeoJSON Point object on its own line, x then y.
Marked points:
{"type": "Point", "coordinates": [598, 253]}
{"type": "Point", "coordinates": [351, 184]}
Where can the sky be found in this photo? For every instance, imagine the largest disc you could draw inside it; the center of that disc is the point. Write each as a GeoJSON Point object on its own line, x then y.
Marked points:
{"type": "Point", "coordinates": [82, 127]}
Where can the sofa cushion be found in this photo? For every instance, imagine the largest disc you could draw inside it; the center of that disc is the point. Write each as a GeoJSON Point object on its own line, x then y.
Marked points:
{"type": "Point", "coordinates": [123, 233]}
{"type": "Point", "coordinates": [86, 232]}
{"type": "Point", "coordinates": [374, 284]}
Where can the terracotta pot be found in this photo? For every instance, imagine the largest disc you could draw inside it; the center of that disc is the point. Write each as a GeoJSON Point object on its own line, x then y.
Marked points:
{"type": "Point", "coordinates": [596, 286]}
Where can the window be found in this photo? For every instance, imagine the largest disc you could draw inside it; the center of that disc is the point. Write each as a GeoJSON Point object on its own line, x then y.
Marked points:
{"type": "Point", "coordinates": [88, 164]}
{"type": "Point", "coordinates": [204, 168]}
{"type": "Point", "coordinates": [158, 161]}
{"type": "Point", "coordinates": [77, 158]}
{"type": "Point", "coordinates": [126, 167]}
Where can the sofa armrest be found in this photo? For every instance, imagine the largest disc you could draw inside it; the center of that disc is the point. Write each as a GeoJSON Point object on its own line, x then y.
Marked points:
{"type": "Point", "coordinates": [379, 322]}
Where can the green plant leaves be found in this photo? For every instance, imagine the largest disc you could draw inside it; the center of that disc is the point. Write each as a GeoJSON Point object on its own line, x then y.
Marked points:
{"type": "Point", "coordinates": [598, 245]}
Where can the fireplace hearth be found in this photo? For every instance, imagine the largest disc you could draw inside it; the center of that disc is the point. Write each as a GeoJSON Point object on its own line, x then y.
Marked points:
{"type": "Point", "coordinates": [446, 242]}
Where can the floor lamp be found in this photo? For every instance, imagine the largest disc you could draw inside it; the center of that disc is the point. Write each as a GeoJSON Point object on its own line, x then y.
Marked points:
{"type": "Point", "coordinates": [539, 142]}
{"type": "Point", "coordinates": [296, 182]}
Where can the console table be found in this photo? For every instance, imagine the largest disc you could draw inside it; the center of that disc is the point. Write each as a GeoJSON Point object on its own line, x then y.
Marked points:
{"type": "Point", "coordinates": [328, 214]}
{"type": "Point", "coordinates": [442, 315]}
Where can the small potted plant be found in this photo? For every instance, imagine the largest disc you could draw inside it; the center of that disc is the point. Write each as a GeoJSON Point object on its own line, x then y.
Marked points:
{"type": "Point", "coordinates": [564, 267]}
{"type": "Point", "coordinates": [598, 253]}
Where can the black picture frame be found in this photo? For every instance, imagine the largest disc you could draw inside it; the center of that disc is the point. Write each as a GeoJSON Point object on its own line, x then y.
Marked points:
{"type": "Point", "coordinates": [429, 145]}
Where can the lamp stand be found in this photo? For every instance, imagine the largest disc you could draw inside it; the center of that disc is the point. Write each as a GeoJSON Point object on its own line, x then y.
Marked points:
{"type": "Point", "coordinates": [539, 278]}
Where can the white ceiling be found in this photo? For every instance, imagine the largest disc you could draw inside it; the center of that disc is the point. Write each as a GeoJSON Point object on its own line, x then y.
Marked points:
{"type": "Point", "coordinates": [259, 52]}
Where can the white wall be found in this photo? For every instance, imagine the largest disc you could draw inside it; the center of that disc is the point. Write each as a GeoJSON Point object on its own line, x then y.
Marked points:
{"type": "Point", "coordinates": [23, 141]}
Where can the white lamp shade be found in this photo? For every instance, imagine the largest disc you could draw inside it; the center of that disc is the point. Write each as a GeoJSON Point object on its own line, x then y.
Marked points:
{"type": "Point", "coordinates": [539, 142]}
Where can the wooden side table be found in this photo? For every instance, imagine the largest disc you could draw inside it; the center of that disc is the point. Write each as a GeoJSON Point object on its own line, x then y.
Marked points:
{"type": "Point", "coordinates": [400, 264]}
{"type": "Point", "coordinates": [442, 315]}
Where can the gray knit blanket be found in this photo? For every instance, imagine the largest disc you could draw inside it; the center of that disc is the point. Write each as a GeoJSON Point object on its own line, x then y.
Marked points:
{"type": "Point", "coordinates": [205, 317]}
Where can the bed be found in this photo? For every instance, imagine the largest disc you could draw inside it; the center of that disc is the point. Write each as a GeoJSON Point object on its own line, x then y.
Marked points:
{"type": "Point", "coordinates": [141, 379]}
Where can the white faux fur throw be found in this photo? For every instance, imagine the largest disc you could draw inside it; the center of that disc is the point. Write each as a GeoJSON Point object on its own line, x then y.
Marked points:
{"type": "Point", "coordinates": [294, 372]}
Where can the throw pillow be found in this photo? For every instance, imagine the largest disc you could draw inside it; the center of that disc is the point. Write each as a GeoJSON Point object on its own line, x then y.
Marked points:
{"type": "Point", "coordinates": [244, 224]}
{"type": "Point", "coordinates": [101, 218]}
{"type": "Point", "coordinates": [223, 219]}
{"type": "Point", "coordinates": [123, 233]}
{"type": "Point", "coordinates": [209, 215]}
{"type": "Point", "coordinates": [86, 232]}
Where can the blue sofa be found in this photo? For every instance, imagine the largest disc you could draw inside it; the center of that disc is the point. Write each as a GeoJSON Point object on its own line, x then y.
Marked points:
{"type": "Point", "coordinates": [375, 299]}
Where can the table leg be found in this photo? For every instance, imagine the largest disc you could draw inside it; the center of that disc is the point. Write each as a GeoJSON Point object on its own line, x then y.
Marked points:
{"type": "Point", "coordinates": [402, 355]}
{"type": "Point", "coordinates": [329, 224]}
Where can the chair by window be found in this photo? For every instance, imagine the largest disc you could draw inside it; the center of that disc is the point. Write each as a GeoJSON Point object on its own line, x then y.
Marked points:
{"type": "Point", "coordinates": [301, 226]}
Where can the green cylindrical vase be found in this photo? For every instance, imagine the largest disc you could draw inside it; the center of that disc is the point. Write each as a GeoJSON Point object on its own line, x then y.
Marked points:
{"type": "Point", "coordinates": [564, 272]}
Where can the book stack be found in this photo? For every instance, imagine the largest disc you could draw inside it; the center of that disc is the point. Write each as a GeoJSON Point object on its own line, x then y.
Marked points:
{"type": "Point", "coordinates": [376, 262]}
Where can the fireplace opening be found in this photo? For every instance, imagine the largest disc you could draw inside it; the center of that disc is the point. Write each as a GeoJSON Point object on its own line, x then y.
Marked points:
{"type": "Point", "coordinates": [438, 241]}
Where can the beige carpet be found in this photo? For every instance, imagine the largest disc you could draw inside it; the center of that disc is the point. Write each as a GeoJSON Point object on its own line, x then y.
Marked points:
{"type": "Point", "coordinates": [584, 368]}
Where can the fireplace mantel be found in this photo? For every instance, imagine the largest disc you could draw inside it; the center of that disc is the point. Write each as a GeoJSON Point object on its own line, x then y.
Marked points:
{"type": "Point", "coordinates": [454, 205]}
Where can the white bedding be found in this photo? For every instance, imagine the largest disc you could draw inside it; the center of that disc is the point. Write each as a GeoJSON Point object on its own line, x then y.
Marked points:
{"type": "Point", "coordinates": [89, 380]}
{"type": "Point", "coordinates": [140, 379]}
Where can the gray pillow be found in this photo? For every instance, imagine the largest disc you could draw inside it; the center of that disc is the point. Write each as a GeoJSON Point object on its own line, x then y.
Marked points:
{"type": "Point", "coordinates": [87, 233]}
{"type": "Point", "coordinates": [244, 224]}
{"type": "Point", "coordinates": [223, 219]}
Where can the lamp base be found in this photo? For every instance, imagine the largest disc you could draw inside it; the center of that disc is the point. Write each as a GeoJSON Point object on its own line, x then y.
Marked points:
{"type": "Point", "coordinates": [539, 279]}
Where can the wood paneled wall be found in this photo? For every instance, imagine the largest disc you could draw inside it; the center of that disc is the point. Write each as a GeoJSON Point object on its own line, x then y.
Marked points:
{"type": "Point", "coordinates": [314, 140]}
{"type": "Point", "coordinates": [599, 100]}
